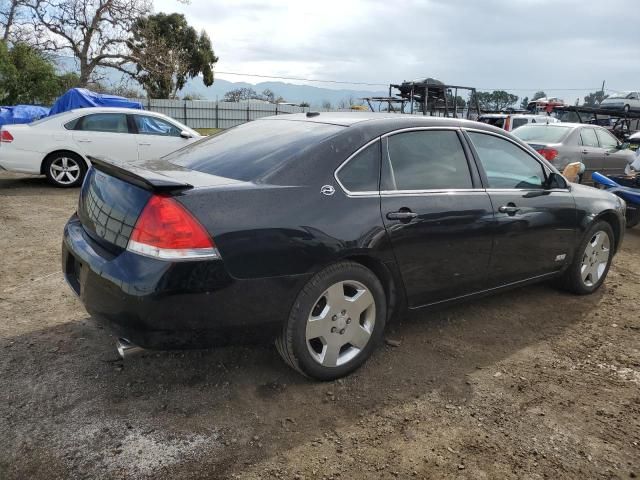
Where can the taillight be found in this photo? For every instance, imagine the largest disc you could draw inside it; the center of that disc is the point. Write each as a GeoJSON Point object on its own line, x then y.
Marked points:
{"type": "Point", "coordinates": [5, 136]}
{"type": "Point", "coordinates": [548, 153]}
{"type": "Point", "coordinates": [166, 230]}
{"type": "Point", "coordinates": [507, 124]}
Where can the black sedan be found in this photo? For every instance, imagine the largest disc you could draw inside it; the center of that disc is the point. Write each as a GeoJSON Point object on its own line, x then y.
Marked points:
{"type": "Point", "coordinates": [314, 230]}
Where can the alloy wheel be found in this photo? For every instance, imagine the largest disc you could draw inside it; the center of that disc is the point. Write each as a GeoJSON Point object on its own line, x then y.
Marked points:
{"type": "Point", "coordinates": [65, 170]}
{"type": "Point", "coordinates": [341, 323]}
{"type": "Point", "coordinates": [595, 258]}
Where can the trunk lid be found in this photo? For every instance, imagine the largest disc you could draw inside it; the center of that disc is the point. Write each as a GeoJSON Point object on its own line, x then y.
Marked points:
{"type": "Point", "coordinates": [114, 194]}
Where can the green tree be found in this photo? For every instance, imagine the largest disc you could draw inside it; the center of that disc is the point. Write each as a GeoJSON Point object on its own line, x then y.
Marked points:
{"type": "Point", "coordinates": [539, 94]}
{"type": "Point", "coordinates": [26, 76]}
{"type": "Point", "coordinates": [167, 51]}
{"type": "Point", "coordinates": [524, 103]}
{"type": "Point", "coordinates": [594, 98]}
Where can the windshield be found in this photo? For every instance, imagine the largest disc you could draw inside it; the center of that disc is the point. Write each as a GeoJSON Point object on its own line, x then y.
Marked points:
{"type": "Point", "coordinates": [542, 133]}
{"type": "Point", "coordinates": [251, 150]}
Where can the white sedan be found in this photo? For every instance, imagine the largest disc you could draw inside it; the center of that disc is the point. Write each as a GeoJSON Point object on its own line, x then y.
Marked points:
{"type": "Point", "coordinates": [58, 146]}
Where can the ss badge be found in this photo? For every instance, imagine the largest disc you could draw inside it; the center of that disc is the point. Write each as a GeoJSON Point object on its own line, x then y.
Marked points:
{"type": "Point", "coordinates": [327, 190]}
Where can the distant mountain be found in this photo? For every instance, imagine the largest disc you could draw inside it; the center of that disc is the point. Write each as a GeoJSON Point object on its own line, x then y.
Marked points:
{"type": "Point", "coordinates": [291, 92]}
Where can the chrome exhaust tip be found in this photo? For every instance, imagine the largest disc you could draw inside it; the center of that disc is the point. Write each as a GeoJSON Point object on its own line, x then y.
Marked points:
{"type": "Point", "coordinates": [126, 348]}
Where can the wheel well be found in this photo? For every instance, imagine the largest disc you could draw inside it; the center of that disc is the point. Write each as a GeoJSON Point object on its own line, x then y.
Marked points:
{"type": "Point", "coordinates": [57, 152]}
{"type": "Point", "coordinates": [395, 298]}
{"type": "Point", "coordinates": [612, 220]}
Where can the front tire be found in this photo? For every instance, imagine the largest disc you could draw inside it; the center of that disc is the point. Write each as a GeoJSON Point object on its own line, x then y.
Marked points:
{"type": "Point", "coordinates": [633, 216]}
{"type": "Point", "coordinates": [335, 323]}
{"type": "Point", "coordinates": [591, 262]}
{"type": "Point", "coordinates": [65, 169]}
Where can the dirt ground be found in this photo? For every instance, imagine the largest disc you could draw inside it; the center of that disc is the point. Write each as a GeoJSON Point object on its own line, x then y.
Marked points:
{"type": "Point", "coordinates": [532, 383]}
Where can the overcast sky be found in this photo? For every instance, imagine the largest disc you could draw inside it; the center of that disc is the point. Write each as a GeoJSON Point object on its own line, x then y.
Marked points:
{"type": "Point", "coordinates": [517, 45]}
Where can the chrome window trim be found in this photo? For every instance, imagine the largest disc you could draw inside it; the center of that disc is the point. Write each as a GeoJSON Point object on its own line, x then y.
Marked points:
{"type": "Point", "coordinates": [421, 192]}
{"type": "Point", "coordinates": [545, 168]}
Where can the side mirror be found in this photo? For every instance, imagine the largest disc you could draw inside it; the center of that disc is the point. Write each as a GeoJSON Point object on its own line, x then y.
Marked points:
{"type": "Point", "coordinates": [555, 180]}
{"type": "Point", "coordinates": [623, 146]}
{"type": "Point", "coordinates": [185, 134]}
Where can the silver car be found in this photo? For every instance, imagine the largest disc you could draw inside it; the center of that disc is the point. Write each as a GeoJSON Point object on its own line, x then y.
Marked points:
{"type": "Point", "coordinates": [626, 101]}
{"type": "Point", "coordinates": [563, 143]}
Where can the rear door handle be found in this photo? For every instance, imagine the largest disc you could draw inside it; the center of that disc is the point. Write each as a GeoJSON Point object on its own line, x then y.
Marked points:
{"type": "Point", "coordinates": [144, 143]}
{"type": "Point", "coordinates": [510, 209]}
{"type": "Point", "coordinates": [585, 151]}
{"type": "Point", "coordinates": [84, 140]}
{"type": "Point", "coordinates": [401, 215]}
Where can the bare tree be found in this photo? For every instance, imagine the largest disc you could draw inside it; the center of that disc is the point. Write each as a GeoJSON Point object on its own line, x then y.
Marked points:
{"type": "Point", "coordinates": [13, 16]}
{"type": "Point", "coordinates": [94, 31]}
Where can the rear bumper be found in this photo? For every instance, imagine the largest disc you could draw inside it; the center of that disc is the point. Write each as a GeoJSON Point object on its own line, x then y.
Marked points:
{"type": "Point", "coordinates": [160, 304]}
{"type": "Point", "coordinates": [23, 161]}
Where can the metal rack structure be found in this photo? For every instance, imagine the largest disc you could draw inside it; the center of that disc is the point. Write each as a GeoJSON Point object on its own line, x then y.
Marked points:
{"type": "Point", "coordinates": [429, 97]}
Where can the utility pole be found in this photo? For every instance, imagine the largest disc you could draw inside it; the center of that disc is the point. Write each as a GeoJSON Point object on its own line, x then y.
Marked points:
{"type": "Point", "coordinates": [602, 90]}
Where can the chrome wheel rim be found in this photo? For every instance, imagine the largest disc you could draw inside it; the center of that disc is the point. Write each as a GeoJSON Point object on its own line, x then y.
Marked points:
{"type": "Point", "coordinates": [341, 323]}
{"type": "Point", "coordinates": [595, 258]}
{"type": "Point", "coordinates": [65, 170]}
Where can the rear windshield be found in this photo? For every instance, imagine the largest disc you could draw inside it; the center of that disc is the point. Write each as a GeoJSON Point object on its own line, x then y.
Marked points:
{"type": "Point", "coordinates": [251, 150]}
{"type": "Point", "coordinates": [541, 133]}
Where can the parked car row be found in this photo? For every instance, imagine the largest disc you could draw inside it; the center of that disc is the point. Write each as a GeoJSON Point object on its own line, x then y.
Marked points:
{"type": "Point", "coordinates": [59, 146]}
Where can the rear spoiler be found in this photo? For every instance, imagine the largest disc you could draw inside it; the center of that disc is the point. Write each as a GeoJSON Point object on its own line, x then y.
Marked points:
{"type": "Point", "coordinates": [141, 177]}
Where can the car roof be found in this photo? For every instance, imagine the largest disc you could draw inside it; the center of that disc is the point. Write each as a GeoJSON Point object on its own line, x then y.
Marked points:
{"type": "Point", "coordinates": [369, 119]}
{"type": "Point", "coordinates": [112, 110]}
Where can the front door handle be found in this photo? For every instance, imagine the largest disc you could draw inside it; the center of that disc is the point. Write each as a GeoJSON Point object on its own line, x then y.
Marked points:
{"type": "Point", "coordinates": [585, 151]}
{"type": "Point", "coordinates": [84, 140]}
{"type": "Point", "coordinates": [402, 215]}
{"type": "Point", "coordinates": [509, 209]}
{"type": "Point", "coordinates": [146, 144]}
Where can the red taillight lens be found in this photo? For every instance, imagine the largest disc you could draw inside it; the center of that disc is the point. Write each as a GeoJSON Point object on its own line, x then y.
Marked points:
{"type": "Point", "coordinates": [548, 153]}
{"type": "Point", "coordinates": [507, 124]}
{"type": "Point", "coordinates": [165, 229]}
{"type": "Point", "coordinates": [5, 136]}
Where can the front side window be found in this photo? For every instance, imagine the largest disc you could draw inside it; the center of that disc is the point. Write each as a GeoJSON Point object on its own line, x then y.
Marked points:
{"type": "Point", "coordinates": [148, 125]}
{"type": "Point", "coordinates": [588, 137]}
{"type": "Point", "coordinates": [505, 164]}
{"type": "Point", "coordinates": [606, 139]}
{"type": "Point", "coordinates": [426, 160]}
{"type": "Point", "coordinates": [103, 122]}
{"type": "Point", "coordinates": [362, 172]}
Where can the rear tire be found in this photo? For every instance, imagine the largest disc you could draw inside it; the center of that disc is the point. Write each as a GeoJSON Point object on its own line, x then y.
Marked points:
{"type": "Point", "coordinates": [627, 108]}
{"type": "Point", "coordinates": [335, 323]}
{"type": "Point", "coordinates": [65, 169]}
{"type": "Point", "coordinates": [591, 261]}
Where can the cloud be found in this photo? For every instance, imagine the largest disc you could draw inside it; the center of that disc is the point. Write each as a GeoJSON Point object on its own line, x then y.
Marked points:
{"type": "Point", "coordinates": [522, 45]}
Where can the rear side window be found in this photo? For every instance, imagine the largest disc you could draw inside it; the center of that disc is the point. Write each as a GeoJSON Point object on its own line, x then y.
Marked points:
{"type": "Point", "coordinates": [606, 139]}
{"type": "Point", "coordinates": [505, 164]}
{"type": "Point", "coordinates": [103, 122]}
{"type": "Point", "coordinates": [252, 150]}
{"type": "Point", "coordinates": [426, 160]}
{"type": "Point", "coordinates": [588, 137]}
{"type": "Point", "coordinates": [362, 172]}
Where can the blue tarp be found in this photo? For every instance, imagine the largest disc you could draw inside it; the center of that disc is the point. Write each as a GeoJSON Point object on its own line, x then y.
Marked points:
{"type": "Point", "coordinates": [21, 114]}
{"type": "Point", "coordinates": [82, 98]}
